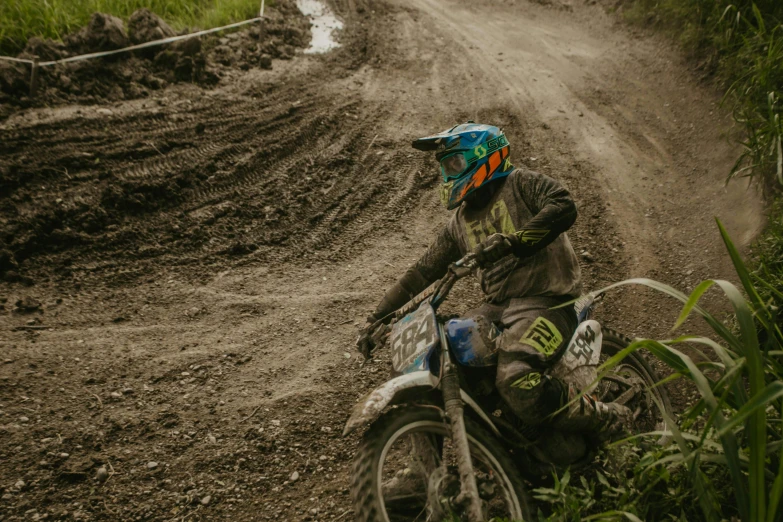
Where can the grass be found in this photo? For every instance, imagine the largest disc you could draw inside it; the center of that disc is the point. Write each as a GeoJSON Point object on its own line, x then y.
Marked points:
{"type": "Point", "coordinates": [741, 43]}
{"type": "Point", "coordinates": [769, 252]}
{"type": "Point", "coordinates": [22, 19]}
{"type": "Point", "coordinates": [736, 426]}
{"type": "Point", "coordinates": [738, 422]}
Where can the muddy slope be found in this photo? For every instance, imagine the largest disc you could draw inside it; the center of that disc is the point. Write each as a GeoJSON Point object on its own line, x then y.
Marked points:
{"type": "Point", "coordinates": [203, 61]}
{"type": "Point", "coordinates": [199, 261]}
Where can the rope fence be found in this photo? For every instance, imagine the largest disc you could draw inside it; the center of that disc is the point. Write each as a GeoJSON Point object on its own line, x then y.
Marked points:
{"type": "Point", "coordinates": [35, 63]}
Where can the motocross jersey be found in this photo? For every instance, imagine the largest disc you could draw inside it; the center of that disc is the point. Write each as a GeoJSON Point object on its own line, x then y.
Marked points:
{"type": "Point", "coordinates": [536, 209]}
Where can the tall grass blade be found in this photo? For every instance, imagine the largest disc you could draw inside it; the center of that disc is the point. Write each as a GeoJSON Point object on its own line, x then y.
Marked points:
{"type": "Point", "coordinates": [721, 329]}
{"type": "Point", "coordinates": [772, 392]}
{"type": "Point", "coordinates": [724, 355]}
{"type": "Point", "coordinates": [777, 486]}
{"type": "Point", "coordinates": [759, 20]}
{"type": "Point", "coordinates": [756, 424]}
{"type": "Point", "coordinates": [780, 160]}
{"type": "Point", "coordinates": [685, 364]}
{"type": "Point", "coordinates": [739, 266]}
{"type": "Point", "coordinates": [693, 299]}
{"type": "Point", "coordinates": [704, 494]}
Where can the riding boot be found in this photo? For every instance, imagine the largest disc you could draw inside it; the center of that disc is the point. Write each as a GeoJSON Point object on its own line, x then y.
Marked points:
{"type": "Point", "coordinates": [591, 417]}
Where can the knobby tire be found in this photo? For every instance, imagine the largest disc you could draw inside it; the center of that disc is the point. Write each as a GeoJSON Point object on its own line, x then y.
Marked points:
{"type": "Point", "coordinates": [365, 489]}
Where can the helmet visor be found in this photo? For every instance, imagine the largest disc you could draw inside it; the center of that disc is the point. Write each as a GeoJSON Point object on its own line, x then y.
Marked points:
{"type": "Point", "coordinates": [453, 165]}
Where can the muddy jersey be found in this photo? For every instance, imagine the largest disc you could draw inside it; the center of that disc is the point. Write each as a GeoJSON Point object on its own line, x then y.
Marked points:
{"type": "Point", "coordinates": [525, 197]}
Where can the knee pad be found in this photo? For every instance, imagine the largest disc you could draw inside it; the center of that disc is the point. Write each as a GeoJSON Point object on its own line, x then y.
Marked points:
{"type": "Point", "coordinates": [521, 392]}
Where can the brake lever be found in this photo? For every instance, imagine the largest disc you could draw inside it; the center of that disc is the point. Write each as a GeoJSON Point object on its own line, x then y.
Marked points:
{"type": "Point", "coordinates": [467, 260]}
{"type": "Point", "coordinates": [464, 266]}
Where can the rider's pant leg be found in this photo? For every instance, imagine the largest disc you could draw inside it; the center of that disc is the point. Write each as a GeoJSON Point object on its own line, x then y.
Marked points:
{"type": "Point", "coordinates": [534, 337]}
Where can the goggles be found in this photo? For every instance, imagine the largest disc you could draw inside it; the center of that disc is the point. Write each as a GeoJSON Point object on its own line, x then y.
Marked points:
{"type": "Point", "coordinates": [453, 166]}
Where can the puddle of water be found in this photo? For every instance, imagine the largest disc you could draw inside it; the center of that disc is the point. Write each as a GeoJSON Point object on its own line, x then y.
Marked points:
{"type": "Point", "coordinates": [323, 23]}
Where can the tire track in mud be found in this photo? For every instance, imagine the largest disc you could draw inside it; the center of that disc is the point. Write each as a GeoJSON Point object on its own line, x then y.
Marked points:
{"type": "Point", "coordinates": [376, 215]}
{"type": "Point", "coordinates": [183, 182]}
{"type": "Point", "coordinates": [285, 154]}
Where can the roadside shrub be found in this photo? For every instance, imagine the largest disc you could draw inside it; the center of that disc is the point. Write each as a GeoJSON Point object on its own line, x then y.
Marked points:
{"type": "Point", "coordinates": [725, 462]}
{"type": "Point", "coordinates": [737, 423]}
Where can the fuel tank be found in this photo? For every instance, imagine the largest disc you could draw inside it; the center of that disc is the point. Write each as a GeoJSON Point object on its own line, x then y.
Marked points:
{"type": "Point", "coordinates": [473, 341]}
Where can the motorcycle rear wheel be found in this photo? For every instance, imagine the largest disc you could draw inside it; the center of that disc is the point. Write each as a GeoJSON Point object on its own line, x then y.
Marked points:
{"type": "Point", "coordinates": [487, 454]}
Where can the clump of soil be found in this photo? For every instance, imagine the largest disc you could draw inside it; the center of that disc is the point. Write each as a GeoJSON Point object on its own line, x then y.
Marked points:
{"type": "Point", "coordinates": [104, 33]}
{"type": "Point", "coordinates": [134, 74]}
{"type": "Point", "coordinates": [145, 26]}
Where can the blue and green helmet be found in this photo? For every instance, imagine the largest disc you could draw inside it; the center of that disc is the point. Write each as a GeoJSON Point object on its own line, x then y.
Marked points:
{"type": "Point", "coordinates": [471, 155]}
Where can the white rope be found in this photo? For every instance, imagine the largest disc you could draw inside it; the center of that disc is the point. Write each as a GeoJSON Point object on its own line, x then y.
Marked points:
{"type": "Point", "coordinates": [139, 46]}
{"type": "Point", "coordinates": [20, 60]}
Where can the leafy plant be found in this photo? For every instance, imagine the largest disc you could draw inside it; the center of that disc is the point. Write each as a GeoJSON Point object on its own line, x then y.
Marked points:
{"type": "Point", "coordinates": [738, 415]}
{"type": "Point", "coordinates": [630, 482]}
{"type": "Point", "coordinates": [568, 502]}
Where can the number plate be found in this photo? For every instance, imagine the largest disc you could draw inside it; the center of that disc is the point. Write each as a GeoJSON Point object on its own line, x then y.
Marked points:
{"type": "Point", "coordinates": [412, 338]}
{"type": "Point", "coordinates": [585, 346]}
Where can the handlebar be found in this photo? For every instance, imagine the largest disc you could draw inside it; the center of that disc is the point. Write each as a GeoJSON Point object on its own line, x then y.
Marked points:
{"type": "Point", "coordinates": [440, 290]}
{"type": "Point", "coordinates": [456, 271]}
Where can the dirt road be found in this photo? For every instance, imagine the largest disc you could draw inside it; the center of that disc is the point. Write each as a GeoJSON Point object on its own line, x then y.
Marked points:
{"type": "Point", "coordinates": [204, 257]}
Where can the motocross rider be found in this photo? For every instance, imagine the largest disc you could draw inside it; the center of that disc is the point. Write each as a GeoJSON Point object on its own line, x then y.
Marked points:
{"type": "Point", "coordinates": [514, 220]}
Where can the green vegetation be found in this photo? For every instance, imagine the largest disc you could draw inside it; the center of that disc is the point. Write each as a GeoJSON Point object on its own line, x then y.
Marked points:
{"type": "Point", "coordinates": [741, 42]}
{"type": "Point", "coordinates": [769, 252]}
{"type": "Point", "coordinates": [21, 19]}
{"type": "Point", "coordinates": [726, 461]}
{"type": "Point", "coordinates": [635, 485]}
{"type": "Point", "coordinates": [729, 443]}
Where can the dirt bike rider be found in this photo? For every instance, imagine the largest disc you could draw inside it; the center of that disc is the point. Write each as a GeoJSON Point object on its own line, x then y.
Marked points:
{"type": "Point", "coordinates": [514, 220]}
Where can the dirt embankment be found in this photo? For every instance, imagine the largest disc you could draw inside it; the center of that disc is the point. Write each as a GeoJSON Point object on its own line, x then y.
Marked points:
{"type": "Point", "coordinates": [200, 258]}
{"type": "Point", "coordinates": [204, 60]}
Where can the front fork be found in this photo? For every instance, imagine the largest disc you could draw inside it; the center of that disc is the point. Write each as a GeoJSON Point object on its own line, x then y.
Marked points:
{"type": "Point", "coordinates": [450, 388]}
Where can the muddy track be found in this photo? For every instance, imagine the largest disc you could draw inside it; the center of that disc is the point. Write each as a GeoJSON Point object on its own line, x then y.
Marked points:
{"type": "Point", "coordinates": [203, 258]}
{"type": "Point", "coordinates": [291, 164]}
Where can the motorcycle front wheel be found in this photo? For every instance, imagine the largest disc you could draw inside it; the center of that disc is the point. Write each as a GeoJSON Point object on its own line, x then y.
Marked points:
{"type": "Point", "coordinates": [405, 469]}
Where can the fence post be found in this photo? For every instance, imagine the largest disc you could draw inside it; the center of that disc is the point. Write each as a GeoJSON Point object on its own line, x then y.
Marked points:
{"type": "Point", "coordinates": [34, 77]}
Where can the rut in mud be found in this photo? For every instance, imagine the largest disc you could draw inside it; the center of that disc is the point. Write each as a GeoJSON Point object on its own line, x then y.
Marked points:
{"type": "Point", "coordinates": [194, 180]}
{"type": "Point", "coordinates": [200, 259]}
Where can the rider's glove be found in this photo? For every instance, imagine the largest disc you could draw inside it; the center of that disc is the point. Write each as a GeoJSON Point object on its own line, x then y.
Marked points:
{"type": "Point", "coordinates": [494, 248]}
{"type": "Point", "coordinates": [365, 343]}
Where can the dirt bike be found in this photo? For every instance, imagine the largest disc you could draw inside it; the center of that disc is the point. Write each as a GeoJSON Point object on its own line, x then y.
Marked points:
{"type": "Point", "coordinates": [447, 448]}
